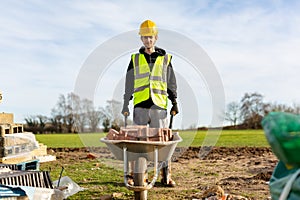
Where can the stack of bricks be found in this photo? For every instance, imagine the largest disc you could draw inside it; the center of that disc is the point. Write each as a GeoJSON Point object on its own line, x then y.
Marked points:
{"type": "Point", "coordinates": [141, 133]}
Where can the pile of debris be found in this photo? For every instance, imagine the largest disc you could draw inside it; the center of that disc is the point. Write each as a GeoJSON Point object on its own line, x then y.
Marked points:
{"type": "Point", "coordinates": [215, 192]}
{"type": "Point", "coordinates": [20, 156]}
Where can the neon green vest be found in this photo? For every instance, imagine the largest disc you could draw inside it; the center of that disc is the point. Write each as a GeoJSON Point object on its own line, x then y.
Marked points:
{"type": "Point", "coordinates": [150, 84]}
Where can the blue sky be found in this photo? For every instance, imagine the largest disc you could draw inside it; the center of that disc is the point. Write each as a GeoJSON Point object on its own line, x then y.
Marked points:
{"type": "Point", "coordinates": [44, 44]}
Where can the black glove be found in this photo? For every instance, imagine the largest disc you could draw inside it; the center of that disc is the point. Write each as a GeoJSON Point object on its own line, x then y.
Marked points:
{"type": "Point", "coordinates": [174, 110]}
{"type": "Point", "coordinates": [125, 110]}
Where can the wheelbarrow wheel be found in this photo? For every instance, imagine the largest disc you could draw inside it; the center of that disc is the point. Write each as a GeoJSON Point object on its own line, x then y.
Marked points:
{"type": "Point", "coordinates": [139, 177]}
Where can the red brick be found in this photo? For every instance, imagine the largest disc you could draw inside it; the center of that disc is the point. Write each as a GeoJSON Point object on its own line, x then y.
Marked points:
{"type": "Point", "coordinates": [112, 134]}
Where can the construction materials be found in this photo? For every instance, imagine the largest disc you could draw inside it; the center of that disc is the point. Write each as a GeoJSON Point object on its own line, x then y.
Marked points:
{"type": "Point", "coordinates": [26, 178]}
{"type": "Point", "coordinates": [141, 133]}
{"type": "Point", "coordinates": [19, 153]}
{"type": "Point", "coordinates": [16, 145]}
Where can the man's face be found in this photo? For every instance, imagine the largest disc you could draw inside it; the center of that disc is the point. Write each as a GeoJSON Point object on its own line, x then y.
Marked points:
{"type": "Point", "coordinates": [149, 41]}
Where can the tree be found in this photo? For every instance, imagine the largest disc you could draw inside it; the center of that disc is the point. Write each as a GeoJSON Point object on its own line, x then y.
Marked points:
{"type": "Point", "coordinates": [253, 109]}
{"type": "Point", "coordinates": [93, 116]}
{"type": "Point", "coordinates": [275, 107]}
{"type": "Point", "coordinates": [111, 115]}
{"type": "Point", "coordinates": [78, 113]}
{"type": "Point", "coordinates": [64, 114]}
{"type": "Point", "coordinates": [73, 114]}
{"type": "Point", "coordinates": [232, 113]}
{"type": "Point", "coordinates": [54, 126]}
{"type": "Point", "coordinates": [32, 124]}
{"type": "Point", "coordinates": [42, 123]}
{"type": "Point", "coordinates": [36, 124]}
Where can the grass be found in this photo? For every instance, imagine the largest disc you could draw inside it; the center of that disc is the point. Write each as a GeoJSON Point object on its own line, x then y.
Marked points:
{"type": "Point", "coordinates": [225, 138]}
{"type": "Point", "coordinates": [97, 179]}
{"type": "Point", "coordinates": [71, 140]}
{"type": "Point", "coordinates": [230, 138]}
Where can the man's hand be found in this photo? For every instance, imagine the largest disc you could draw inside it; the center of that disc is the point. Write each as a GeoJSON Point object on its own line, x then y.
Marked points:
{"type": "Point", "coordinates": [174, 110]}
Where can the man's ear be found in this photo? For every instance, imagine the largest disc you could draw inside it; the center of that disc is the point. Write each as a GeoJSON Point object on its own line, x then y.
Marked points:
{"type": "Point", "coordinates": [156, 37]}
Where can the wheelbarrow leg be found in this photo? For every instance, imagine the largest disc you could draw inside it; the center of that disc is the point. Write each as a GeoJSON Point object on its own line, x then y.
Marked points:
{"type": "Point", "coordinates": [126, 167]}
{"type": "Point", "coordinates": [139, 177]}
{"type": "Point", "coordinates": [140, 174]}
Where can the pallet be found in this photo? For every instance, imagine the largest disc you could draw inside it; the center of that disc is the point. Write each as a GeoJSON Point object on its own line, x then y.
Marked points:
{"type": "Point", "coordinates": [28, 165]}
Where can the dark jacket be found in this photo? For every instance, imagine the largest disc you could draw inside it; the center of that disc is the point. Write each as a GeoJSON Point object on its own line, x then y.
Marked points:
{"type": "Point", "coordinates": [171, 80]}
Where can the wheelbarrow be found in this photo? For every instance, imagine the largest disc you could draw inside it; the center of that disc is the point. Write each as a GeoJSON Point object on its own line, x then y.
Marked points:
{"type": "Point", "coordinates": [141, 152]}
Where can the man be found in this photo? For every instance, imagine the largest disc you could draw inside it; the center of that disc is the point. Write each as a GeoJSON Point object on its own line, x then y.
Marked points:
{"type": "Point", "coordinates": [150, 81]}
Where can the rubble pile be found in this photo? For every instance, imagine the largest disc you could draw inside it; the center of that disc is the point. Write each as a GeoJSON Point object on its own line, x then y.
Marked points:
{"type": "Point", "coordinates": [20, 155]}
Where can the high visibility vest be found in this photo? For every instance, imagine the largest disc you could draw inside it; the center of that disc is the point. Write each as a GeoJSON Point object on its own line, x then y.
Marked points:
{"type": "Point", "coordinates": [150, 84]}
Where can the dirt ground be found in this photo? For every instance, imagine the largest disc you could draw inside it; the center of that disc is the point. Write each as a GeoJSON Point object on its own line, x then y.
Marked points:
{"type": "Point", "coordinates": [242, 171]}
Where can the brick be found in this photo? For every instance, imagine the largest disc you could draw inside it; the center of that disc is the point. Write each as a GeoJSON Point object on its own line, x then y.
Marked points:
{"type": "Point", "coordinates": [112, 134]}
{"type": "Point", "coordinates": [120, 137]}
{"type": "Point", "coordinates": [141, 133]}
{"type": "Point", "coordinates": [154, 132]}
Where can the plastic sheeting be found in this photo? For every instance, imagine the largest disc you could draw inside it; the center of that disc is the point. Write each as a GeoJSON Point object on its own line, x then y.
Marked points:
{"type": "Point", "coordinates": [283, 134]}
{"type": "Point", "coordinates": [72, 187]}
{"type": "Point", "coordinates": [33, 193]}
{"type": "Point", "coordinates": [19, 143]}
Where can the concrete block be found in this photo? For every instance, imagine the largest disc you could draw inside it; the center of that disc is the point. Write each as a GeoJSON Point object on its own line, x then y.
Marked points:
{"type": "Point", "coordinates": [6, 118]}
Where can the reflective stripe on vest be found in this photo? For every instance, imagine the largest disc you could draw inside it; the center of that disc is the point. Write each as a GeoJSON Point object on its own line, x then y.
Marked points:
{"type": "Point", "coordinates": [152, 83]}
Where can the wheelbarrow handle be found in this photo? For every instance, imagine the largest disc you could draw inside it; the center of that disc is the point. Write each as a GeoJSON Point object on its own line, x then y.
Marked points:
{"type": "Point", "coordinates": [125, 118]}
{"type": "Point", "coordinates": [171, 119]}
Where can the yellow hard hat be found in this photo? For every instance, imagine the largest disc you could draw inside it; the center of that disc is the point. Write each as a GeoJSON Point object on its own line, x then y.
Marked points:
{"type": "Point", "coordinates": [148, 28]}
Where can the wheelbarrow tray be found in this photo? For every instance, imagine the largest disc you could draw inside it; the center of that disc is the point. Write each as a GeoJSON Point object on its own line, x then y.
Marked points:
{"type": "Point", "coordinates": [137, 149]}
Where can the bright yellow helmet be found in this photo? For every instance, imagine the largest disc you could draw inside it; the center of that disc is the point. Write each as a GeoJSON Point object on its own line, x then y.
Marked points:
{"type": "Point", "coordinates": [148, 28]}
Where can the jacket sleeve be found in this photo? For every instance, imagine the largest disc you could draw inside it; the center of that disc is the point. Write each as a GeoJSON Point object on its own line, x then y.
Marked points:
{"type": "Point", "coordinates": [129, 83]}
{"type": "Point", "coordinates": [172, 85]}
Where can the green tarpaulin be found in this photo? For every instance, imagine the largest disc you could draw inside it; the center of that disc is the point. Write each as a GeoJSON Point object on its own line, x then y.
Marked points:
{"type": "Point", "coordinates": [283, 134]}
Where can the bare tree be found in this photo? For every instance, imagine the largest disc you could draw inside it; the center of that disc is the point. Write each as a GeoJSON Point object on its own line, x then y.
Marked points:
{"type": "Point", "coordinates": [253, 109]}
{"type": "Point", "coordinates": [72, 114]}
{"type": "Point", "coordinates": [58, 113]}
{"type": "Point", "coordinates": [93, 115]}
{"type": "Point", "coordinates": [232, 113]}
{"type": "Point", "coordinates": [64, 114]}
{"type": "Point", "coordinates": [79, 115]}
{"type": "Point", "coordinates": [111, 115]}
{"type": "Point", "coordinates": [86, 116]}
{"type": "Point", "coordinates": [275, 107]}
